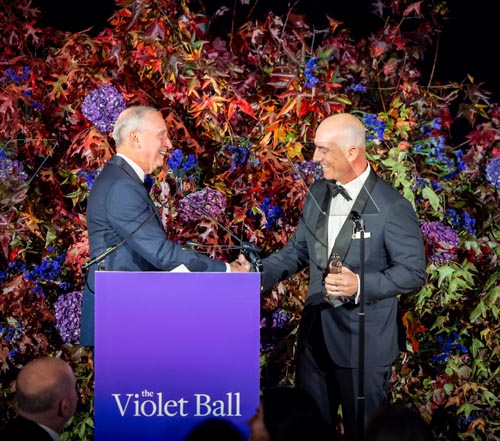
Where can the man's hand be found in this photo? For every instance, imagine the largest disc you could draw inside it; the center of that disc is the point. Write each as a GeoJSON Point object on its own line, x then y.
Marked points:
{"type": "Point", "coordinates": [344, 283]}
{"type": "Point", "coordinates": [241, 265]}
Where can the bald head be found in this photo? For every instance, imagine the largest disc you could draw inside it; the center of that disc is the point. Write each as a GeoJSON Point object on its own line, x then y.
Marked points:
{"type": "Point", "coordinates": [344, 129]}
{"type": "Point", "coordinates": [340, 147]}
{"type": "Point", "coordinates": [46, 392]}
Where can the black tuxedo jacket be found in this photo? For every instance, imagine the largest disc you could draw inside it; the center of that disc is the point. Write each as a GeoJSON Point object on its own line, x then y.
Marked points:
{"type": "Point", "coordinates": [20, 428]}
{"type": "Point", "coordinates": [394, 264]}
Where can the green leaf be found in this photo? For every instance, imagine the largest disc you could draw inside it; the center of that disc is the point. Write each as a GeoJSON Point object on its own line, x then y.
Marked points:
{"type": "Point", "coordinates": [429, 194]}
{"type": "Point", "coordinates": [466, 409]}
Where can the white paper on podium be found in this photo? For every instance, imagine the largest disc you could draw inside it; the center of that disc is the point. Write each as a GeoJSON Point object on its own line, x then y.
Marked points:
{"type": "Point", "coordinates": [180, 269]}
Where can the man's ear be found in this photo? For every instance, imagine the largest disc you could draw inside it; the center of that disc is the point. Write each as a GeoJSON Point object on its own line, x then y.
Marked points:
{"type": "Point", "coordinates": [134, 136]}
{"type": "Point", "coordinates": [353, 153]}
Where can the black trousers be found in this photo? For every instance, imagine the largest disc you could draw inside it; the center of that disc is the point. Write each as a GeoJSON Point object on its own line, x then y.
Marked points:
{"type": "Point", "coordinates": [334, 386]}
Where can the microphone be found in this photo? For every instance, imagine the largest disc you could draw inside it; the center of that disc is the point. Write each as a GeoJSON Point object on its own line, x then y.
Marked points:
{"type": "Point", "coordinates": [190, 245]}
{"type": "Point", "coordinates": [251, 253]}
{"type": "Point", "coordinates": [358, 222]}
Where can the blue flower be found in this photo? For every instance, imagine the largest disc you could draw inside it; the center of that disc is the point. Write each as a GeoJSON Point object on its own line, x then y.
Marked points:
{"type": "Point", "coordinates": [180, 164]}
{"type": "Point", "coordinates": [311, 79]}
{"type": "Point", "coordinates": [463, 220]}
{"type": "Point", "coordinates": [449, 346]}
{"type": "Point", "coordinates": [375, 128]}
{"type": "Point", "coordinates": [241, 154]}
{"type": "Point", "coordinates": [358, 87]}
{"type": "Point", "coordinates": [88, 175]}
{"type": "Point", "coordinates": [272, 212]}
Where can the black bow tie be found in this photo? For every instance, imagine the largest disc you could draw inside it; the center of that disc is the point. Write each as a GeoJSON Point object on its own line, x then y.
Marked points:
{"type": "Point", "coordinates": [148, 182]}
{"type": "Point", "coordinates": [335, 189]}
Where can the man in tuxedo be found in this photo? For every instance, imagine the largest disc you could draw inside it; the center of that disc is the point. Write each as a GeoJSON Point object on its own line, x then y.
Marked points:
{"type": "Point", "coordinates": [120, 210]}
{"type": "Point", "coordinates": [327, 357]}
{"type": "Point", "coordinates": [46, 400]}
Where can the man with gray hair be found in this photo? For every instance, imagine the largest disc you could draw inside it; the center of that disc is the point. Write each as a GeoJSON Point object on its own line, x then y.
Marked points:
{"type": "Point", "coordinates": [120, 211]}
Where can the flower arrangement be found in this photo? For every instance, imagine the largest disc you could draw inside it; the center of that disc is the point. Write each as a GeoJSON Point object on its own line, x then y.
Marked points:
{"type": "Point", "coordinates": [248, 105]}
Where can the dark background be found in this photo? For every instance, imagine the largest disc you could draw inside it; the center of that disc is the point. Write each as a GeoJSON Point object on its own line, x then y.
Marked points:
{"type": "Point", "coordinates": [469, 42]}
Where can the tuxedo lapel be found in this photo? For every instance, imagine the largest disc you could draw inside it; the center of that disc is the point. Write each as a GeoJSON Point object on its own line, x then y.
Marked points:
{"type": "Point", "coordinates": [120, 162]}
{"type": "Point", "coordinates": [363, 200]}
{"type": "Point", "coordinates": [321, 242]}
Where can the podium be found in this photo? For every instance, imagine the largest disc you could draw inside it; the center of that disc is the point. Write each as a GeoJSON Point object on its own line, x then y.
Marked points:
{"type": "Point", "coordinates": [172, 349]}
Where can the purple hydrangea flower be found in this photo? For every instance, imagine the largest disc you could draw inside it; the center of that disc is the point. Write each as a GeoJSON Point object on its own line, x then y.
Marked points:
{"type": "Point", "coordinates": [493, 172]}
{"type": "Point", "coordinates": [211, 201]}
{"type": "Point", "coordinates": [11, 170]}
{"type": "Point", "coordinates": [442, 240]}
{"type": "Point", "coordinates": [102, 107]}
{"type": "Point", "coordinates": [308, 168]}
{"type": "Point", "coordinates": [68, 308]}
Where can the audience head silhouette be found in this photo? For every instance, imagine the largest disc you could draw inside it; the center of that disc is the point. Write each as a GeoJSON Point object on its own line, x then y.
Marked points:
{"type": "Point", "coordinates": [215, 429]}
{"type": "Point", "coordinates": [397, 423]}
{"type": "Point", "coordinates": [287, 413]}
{"type": "Point", "coordinates": [46, 396]}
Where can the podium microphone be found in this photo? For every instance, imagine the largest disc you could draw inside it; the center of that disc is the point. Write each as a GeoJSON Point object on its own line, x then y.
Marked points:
{"type": "Point", "coordinates": [251, 253]}
{"type": "Point", "coordinates": [357, 221]}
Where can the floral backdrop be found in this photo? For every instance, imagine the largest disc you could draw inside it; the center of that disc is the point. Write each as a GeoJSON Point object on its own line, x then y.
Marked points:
{"type": "Point", "coordinates": [242, 107]}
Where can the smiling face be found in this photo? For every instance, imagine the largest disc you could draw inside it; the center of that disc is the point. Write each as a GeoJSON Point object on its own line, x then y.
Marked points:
{"type": "Point", "coordinates": [152, 142]}
{"type": "Point", "coordinates": [141, 134]}
{"type": "Point", "coordinates": [340, 147]}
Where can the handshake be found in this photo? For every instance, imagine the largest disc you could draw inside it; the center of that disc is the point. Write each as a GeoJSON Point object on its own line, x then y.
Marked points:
{"type": "Point", "coordinates": [248, 260]}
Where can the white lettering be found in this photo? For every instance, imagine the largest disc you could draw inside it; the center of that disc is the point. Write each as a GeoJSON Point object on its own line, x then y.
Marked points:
{"type": "Point", "coordinates": [122, 409]}
{"type": "Point", "coordinates": [204, 403]}
{"type": "Point", "coordinates": [150, 404]}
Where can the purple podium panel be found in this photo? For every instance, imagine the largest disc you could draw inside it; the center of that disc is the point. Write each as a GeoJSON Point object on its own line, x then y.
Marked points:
{"type": "Point", "coordinates": [172, 349]}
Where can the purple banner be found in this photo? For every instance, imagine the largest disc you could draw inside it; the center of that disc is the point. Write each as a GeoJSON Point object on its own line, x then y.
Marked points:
{"type": "Point", "coordinates": [172, 349]}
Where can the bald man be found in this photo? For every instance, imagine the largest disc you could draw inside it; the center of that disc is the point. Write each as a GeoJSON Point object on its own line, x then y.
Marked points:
{"type": "Point", "coordinates": [327, 356]}
{"type": "Point", "coordinates": [120, 211]}
{"type": "Point", "coordinates": [46, 399]}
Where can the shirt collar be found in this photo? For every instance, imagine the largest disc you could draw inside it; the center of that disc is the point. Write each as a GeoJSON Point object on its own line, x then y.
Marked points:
{"type": "Point", "coordinates": [138, 170]}
{"type": "Point", "coordinates": [54, 435]}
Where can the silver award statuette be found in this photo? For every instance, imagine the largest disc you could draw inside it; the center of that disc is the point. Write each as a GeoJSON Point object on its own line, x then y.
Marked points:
{"type": "Point", "coordinates": [335, 264]}
{"type": "Point", "coordinates": [335, 267]}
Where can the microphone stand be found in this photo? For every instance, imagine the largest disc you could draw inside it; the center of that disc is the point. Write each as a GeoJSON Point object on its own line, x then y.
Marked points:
{"type": "Point", "coordinates": [358, 232]}
{"type": "Point", "coordinates": [250, 252]}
